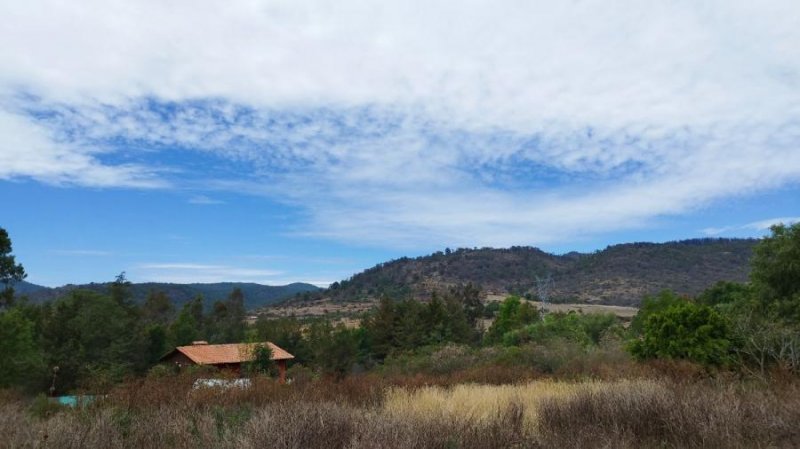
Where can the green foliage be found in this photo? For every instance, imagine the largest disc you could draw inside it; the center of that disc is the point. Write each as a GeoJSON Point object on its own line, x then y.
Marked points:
{"type": "Point", "coordinates": [262, 362]}
{"type": "Point", "coordinates": [284, 332]}
{"type": "Point", "coordinates": [187, 327]}
{"type": "Point", "coordinates": [225, 321]}
{"type": "Point", "coordinates": [10, 271]}
{"type": "Point", "coordinates": [725, 293]}
{"type": "Point", "coordinates": [512, 314]}
{"type": "Point", "coordinates": [409, 324]}
{"type": "Point", "coordinates": [156, 337]}
{"type": "Point", "coordinates": [88, 335]}
{"type": "Point", "coordinates": [584, 329]}
{"type": "Point", "coordinates": [685, 330]}
{"type": "Point", "coordinates": [20, 356]}
{"type": "Point", "coordinates": [652, 305]}
{"type": "Point", "coordinates": [776, 271]}
{"type": "Point", "coordinates": [158, 308]}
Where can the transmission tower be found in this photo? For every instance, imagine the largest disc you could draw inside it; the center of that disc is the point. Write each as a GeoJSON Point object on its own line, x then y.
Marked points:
{"type": "Point", "coordinates": [543, 287]}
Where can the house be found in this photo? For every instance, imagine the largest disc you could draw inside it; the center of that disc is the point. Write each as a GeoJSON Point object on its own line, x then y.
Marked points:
{"type": "Point", "coordinates": [225, 357]}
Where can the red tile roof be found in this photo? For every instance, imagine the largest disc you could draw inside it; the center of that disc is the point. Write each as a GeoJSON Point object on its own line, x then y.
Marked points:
{"type": "Point", "coordinates": [205, 354]}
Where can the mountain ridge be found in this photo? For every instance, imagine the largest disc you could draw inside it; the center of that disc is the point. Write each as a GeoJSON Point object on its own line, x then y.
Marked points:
{"type": "Point", "coordinates": [255, 295]}
{"type": "Point", "coordinates": [617, 275]}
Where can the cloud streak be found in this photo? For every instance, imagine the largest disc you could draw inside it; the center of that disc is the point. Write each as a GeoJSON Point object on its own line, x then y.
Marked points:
{"type": "Point", "coordinates": [761, 225]}
{"type": "Point", "coordinates": [203, 273]}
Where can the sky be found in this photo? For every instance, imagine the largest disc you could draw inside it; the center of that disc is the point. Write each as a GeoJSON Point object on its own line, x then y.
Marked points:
{"type": "Point", "coordinates": [283, 141]}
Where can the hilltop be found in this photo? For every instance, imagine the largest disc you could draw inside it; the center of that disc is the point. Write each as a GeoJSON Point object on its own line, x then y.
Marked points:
{"type": "Point", "coordinates": [618, 275]}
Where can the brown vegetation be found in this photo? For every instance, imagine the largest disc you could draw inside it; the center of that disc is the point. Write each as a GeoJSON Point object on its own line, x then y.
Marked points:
{"type": "Point", "coordinates": [368, 411]}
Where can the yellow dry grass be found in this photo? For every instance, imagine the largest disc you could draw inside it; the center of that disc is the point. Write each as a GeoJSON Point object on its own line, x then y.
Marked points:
{"type": "Point", "coordinates": [484, 403]}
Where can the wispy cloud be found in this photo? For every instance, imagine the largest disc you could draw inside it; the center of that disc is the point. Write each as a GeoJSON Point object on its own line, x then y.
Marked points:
{"type": "Point", "coordinates": [761, 225]}
{"type": "Point", "coordinates": [202, 273]}
{"type": "Point", "coordinates": [527, 123]}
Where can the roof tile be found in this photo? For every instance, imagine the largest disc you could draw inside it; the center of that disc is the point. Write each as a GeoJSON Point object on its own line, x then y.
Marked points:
{"type": "Point", "coordinates": [205, 354]}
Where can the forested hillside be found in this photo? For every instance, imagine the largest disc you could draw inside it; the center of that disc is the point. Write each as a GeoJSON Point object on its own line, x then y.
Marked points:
{"type": "Point", "coordinates": [619, 274]}
{"type": "Point", "coordinates": [256, 295]}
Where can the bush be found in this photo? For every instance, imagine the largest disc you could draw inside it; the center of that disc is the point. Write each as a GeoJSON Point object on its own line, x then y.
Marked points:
{"type": "Point", "coordinates": [685, 331]}
{"type": "Point", "coordinates": [574, 327]}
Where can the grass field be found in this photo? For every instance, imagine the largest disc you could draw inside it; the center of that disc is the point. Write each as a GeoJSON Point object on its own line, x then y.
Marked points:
{"type": "Point", "coordinates": [371, 412]}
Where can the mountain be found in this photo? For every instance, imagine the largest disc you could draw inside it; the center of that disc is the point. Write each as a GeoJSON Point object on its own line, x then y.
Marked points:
{"type": "Point", "coordinates": [618, 275]}
{"type": "Point", "coordinates": [255, 295]}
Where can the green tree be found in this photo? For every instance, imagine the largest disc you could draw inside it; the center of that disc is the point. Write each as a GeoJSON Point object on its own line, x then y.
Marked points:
{"type": "Point", "coordinates": [512, 314]}
{"type": "Point", "coordinates": [284, 332]}
{"type": "Point", "coordinates": [90, 336]}
{"type": "Point", "coordinates": [435, 320]}
{"type": "Point", "coordinates": [226, 323]}
{"type": "Point", "coordinates": [381, 328]}
{"type": "Point", "coordinates": [21, 358]}
{"type": "Point", "coordinates": [186, 327]}
{"type": "Point", "coordinates": [156, 337]}
{"type": "Point", "coordinates": [724, 293]}
{"type": "Point", "coordinates": [408, 328]}
{"type": "Point", "coordinates": [651, 305]}
{"type": "Point", "coordinates": [10, 270]}
{"type": "Point", "coordinates": [339, 351]}
{"type": "Point", "coordinates": [262, 362]}
{"type": "Point", "coordinates": [585, 329]}
{"type": "Point", "coordinates": [471, 297]}
{"type": "Point", "coordinates": [775, 272]}
{"type": "Point", "coordinates": [685, 331]}
{"type": "Point", "coordinates": [157, 308]}
{"type": "Point", "coordinates": [120, 291]}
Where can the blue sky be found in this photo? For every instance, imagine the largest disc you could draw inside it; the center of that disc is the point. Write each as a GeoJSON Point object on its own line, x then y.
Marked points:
{"type": "Point", "coordinates": [276, 142]}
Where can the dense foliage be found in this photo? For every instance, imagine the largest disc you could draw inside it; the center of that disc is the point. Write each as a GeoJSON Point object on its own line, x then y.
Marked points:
{"type": "Point", "coordinates": [755, 326]}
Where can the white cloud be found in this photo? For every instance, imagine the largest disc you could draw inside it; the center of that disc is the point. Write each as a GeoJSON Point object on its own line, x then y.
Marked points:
{"type": "Point", "coordinates": [202, 273]}
{"type": "Point", "coordinates": [29, 150]}
{"type": "Point", "coordinates": [761, 225]}
{"type": "Point", "coordinates": [764, 225]}
{"type": "Point", "coordinates": [416, 122]}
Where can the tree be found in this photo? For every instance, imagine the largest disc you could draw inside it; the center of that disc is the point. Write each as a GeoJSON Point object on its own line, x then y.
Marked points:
{"type": "Point", "coordinates": [651, 305]}
{"type": "Point", "coordinates": [186, 327]}
{"type": "Point", "coordinates": [90, 336]}
{"type": "Point", "coordinates": [120, 291]}
{"type": "Point", "coordinates": [724, 292]}
{"type": "Point", "coordinates": [512, 314]}
{"type": "Point", "coordinates": [381, 328]}
{"type": "Point", "coordinates": [157, 308]}
{"type": "Point", "coordinates": [775, 271]}
{"type": "Point", "coordinates": [10, 271]}
{"type": "Point", "coordinates": [20, 356]}
{"type": "Point", "coordinates": [262, 362]}
{"type": "Point", "coordinates": [685, 331]}
{"type": "Point", "coordinates": [472, 299]}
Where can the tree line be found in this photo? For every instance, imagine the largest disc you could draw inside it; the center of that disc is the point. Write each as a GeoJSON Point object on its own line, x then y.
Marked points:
{"type": "Point", "coordinates": [98, 339]}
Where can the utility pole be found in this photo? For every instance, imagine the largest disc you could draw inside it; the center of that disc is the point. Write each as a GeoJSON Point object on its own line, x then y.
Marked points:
{"type": "Point", "coordinates": [543, 287]}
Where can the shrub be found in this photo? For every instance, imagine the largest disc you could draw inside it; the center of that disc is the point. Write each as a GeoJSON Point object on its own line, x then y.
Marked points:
{"type": "Point", "coordinates": [685, 331]}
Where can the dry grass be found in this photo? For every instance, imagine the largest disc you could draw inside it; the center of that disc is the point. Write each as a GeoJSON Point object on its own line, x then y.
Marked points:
{"type": "Point", "coordinates": [365, 412]}
{"type": "Point", "coordinates": [476, 403]}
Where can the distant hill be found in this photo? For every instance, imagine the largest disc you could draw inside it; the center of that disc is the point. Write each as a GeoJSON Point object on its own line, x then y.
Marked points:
{"type": "Point", "coordinates": [255, 295]}
{"type": "Point", "coordinates": [618, 275]}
